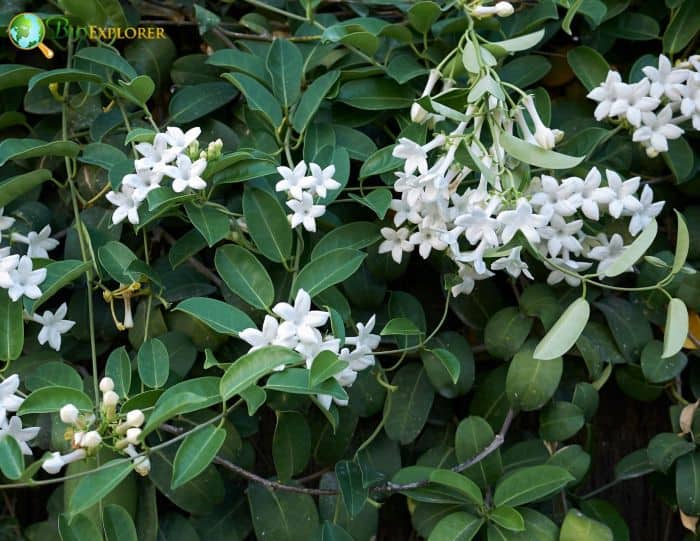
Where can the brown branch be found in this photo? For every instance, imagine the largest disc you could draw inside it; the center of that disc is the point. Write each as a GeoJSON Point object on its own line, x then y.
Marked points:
{"type": "Point", "coordinates": [387, 488]}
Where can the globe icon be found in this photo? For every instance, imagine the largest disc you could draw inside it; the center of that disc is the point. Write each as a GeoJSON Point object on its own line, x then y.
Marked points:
{"type": "Point", "coordinates": [26, 30]}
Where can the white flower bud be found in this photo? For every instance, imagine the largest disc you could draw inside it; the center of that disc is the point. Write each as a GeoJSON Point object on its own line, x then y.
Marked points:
{"type": "Point", "coordinates": [504, 9]}
{"type": "Point", "coordinates": [78, 438]}
{"type": "Point", "coordinates": [69, 414]}
{"type": "Point", "coordinates": [128, 317]}
{"type": "Point", "coordinates": [91, 439]}
{"type": "Point", "coordinates": [110, 399]}
{"type": "Point", "coordinates": [54, 464]}
{"type": "Point", "coordinates": [142, 465]}
{"type": "Point", "coordinates": [132, 435]}
{"type": "Point", "coordinates": [134, 418]}
{"type": "Point", "coordinates": [481, 12]}
{"type": "Point", "coordinates": [418, 114]}
{"type": "Point", "coordinates": [74, 456]}
{"type": "Point", "coordinates": [106, 384]}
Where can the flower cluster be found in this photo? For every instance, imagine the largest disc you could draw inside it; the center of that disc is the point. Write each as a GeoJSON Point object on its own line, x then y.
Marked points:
{"type": "Point", "coordinates": [173, 154]}
{"type": "Point", "coordinates": [473, 214]}
{"type": "Point", "coordinates": [87, 432]}
{"type": "Point", "coordinates": [12, 426]}
{"type": "Point", "coordinates": [302, 188]}
{"type": "Point", "coordinates": [298, 328]}
{"type": "Point", "coordinates": [654, 107]}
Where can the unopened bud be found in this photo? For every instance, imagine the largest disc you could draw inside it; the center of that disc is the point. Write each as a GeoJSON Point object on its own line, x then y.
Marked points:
{"type": "Point", "coordinates": [91, 439]}
{"type": "Point", "coordinates": [106, 384]}
{"type": "Point", "coordinates": [135, 418]}
{"type": "Point", "coordinates": [132, 435]}
{"type": "Point", "coordinates": [504, 9]}
{"type": "Point", "coordinates": [110, 399]}
{"type": "Point", "coordinates": [142, 466]}
{"type": "Point", "coordinates": [78, 438]}
{"type": "Point", "coordinates": [69, 414]}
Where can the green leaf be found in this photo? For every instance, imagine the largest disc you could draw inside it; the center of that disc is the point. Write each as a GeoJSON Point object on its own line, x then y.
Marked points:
{"type": "Point", "coordinates": [682, 244]}
{"type": "Point", "coordinates": [118, 368]}
{"type": "Point", "coordinates": [537, 156]}
{"type": "Point", "coordinates": [11, 459]}
{"type": "Point", "coordinates": [459, 526]}
{"type": "Point", "coordinates": [217, 315]}
{"type": "Point", "coordinates": [63, 75]}
{"type": "Point", "coordinates": [139, 90]}
{"type": "Point", "coordinates": [523, 71]}
{"type": "Point", "coordinates": [248, 369]}
{"type": "Point", "coordinates": [676, 330]}
{"type": "Point", "coordinates": [628, 324]}
{"type": "Point", "coordinates": [210, 222]}
{"type": "Point", "coordinates": [529, 484]}
{"type": "Point", "coordinates": [588, 65]}
{"type": "Point", "coordinates": [327, 270]}
{"type": "Point", "coordinates": [13, 75]}
{"type": "Point", "coordinates": [195, 101]}
{"type": "Point", "coordinates": [688, 483]}
{"type": "Point", "coordinates": [97, 12]}
{"type": "Point", "coordinates": [258, 97]}
{"type": "Point", "coordinates": [665, 448]}
{"type": "Point", "coordinates": [514, 45]}
{"type": "Point", "coordinates": [23, 149]}
{"type": "Point", "coordinates": [286, 67]}
{"type": "Point", "coordinates": [564, 333]}
{"type": "Point", "coordinates": [632, 253]}
{"type": "Point", "coordinates": [659, 369]}
{"type": "Point", "coordinates": [11, 328]}
{"type": "Point", "coordinates": [507, 518]}
{"type": "Point", "coordinates": [16, 186]}
{"type": "Point", "coordinates": [400, 326]}
{"type": "Point", "coordinates": [531, 382]}
{"type": "Point", "coordinates": [375, 94]}
{"type": "Point", "coordinates": [291, 444]}
{"type": "Point", "coordinates": [52, 399]}
{"type": "Point", "coordinates": [118, 524]}
{"type": "Point", "coordinates": [311, 100]}
{"type": "Point", "coordinates": [473, 435]}
{"type": "Point", "coordinates": [578, 527]}
{"type": "Point", "coordinates": [378, 200]}
{"type": "Point", "coordinates": [506, 331]}
{"type": "Point", "coordinates": [53, 373]}
{"type": "Point", "coordinates": [635, 464]}
{"type": "Point", "coordinates": [108, 58]}
{"type": "Point", "coordinates": [196, 453]}
{"type": "Point", "coordinates": [78, 528]}
{"type": "Point", "coordinates": [449, 362]}
{"type": "Point", "coordinates": [349, 475]}
{"type": "Point", "coordinates": [153, 363]}
{"type": "Point", "coordinates": [58, 275]}
{"type": "Point", "coordinates": [268, 225]}
{"type": "Point", "coordinates": [282, 516]}
{"type": "Point", "coordinates": [682, 28]}
{"type": "Point", "coordinates": [94, 486]}
{"type": "Point", "coordinates": [236, 60]}
{"type": "Point", "coordinates": [245, 275]}
{"type": "Point", "coordinates": [423, 14]}
{"type": "Point", "coordinates": [116, 258]}
{"type": "Point", "coordinates": [414, 398]}
{"type": "Point", "coordinates": [332, 532]}
{"type": "Point", "coordinates": [325, 365]}
{"type": "Point", "coordinates": [460, 483]}
{"type": "Point", "coordinates": [560, 421]}
{"type": "Point", "coordinates": [356, 235]}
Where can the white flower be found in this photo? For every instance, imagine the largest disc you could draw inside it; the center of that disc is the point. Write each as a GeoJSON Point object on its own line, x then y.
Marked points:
{"type": "Point", "coordinates": [127, 205]}
{"type": "Point", "coordinates": [143, 182]}
{"type": "Point", "coordinates": [404, 211]}
{"type": "Point", "coordinates": [427, 238]}
{"type": "Point", "coordinates": [469, 276]}
{"type": "Point", "coordinates": [56, 461]}
{"type": "Point", "coordinates": [365, 338]}
{"type": "Point", "coordinates": [53, 326]}
{"type": "Point", "coordinates": [305, 212]}
{"type": "Point", "coordinates": [294, 180]}
{"type": "Point", "coordinates": [592, 195]}
{"type": "Point", "coordinates": [560, 236]}
{"type": "Point", "coordinates": [135, 418]}
{"type": "Point", "coordinates": [690, 104]}
{"type": "Point", "coordinates": [543, 135]}
{"type": "Point", "coordinates": [299, 319]}
{"type": "Point", "coordinates": [656, 131]}
{"type": "Point", "coordinates": [179, 140]}
{"type": "Point", "coordinates": [156, 155]}
{"type": "Point", "coordinates": [396, 242]}
{"type": "Point", "coordinates": [322, 180]}
{"type": "Point", "coordinates": [605, 95]}
{"type": "Point", "coordinates": [268, 336]}
{"type": "Point", "coordinates": [8, 263]}
{"type": "Point", "coordinates": [413, 154]}
{"type": "Point", "coordinates": [9, 401]}
{"type": "Point", "coordinates": [38, 243]}
{"type": "Point", "coordinates": [633, 100]}
{"type": "Point", "coordinates": [418, 114]}
{"type": "Point", "coordinates": [479, 225]}
{"type": "Point", "coordinates": [521, 219]}
{"type": "Point", "coordinates": [512, 264]}
{"type": "Point", "coordinates": [13, 428]}
{"type": "Point", "coordinates": [665, 80]}
{"type": "Point", "coordinates": [607, 252]}
{"type": "Point", "coordinates": [554, 198]}
{"type": "Point", "coordinates": [310, 349]}
{"type": "Point", "coordinates": [642, 217]}
{"type": "Point", "coordinates": [557, 275]}
{"type": "Point", "coordinates": [25, 281]}
{"type": "Point", "coordinates": [625, 199]}
{"type": "Point", "coordinates": [187, 173]}
{"type": "Point", "coordinates": [142, 464]}
{"type": "Point", "coordinates": [5, 221]}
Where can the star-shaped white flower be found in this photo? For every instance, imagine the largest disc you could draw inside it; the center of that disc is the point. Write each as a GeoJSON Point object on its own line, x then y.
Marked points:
{"type": "Point", "coordinates": [592, 195]}
{"type": "Point", "coordinates": [561, 235]}
{"type": "Point", "coordinates": [179, 140]}
{"type": "Point", "coordinates": [8, 263]}
{"type": "Point", "coordinates": [299, 319]}
{"type": "Point", "coordinates": [321, 180]}
{"type": "Point", "coordinates": [521, 219]}
{"type": "Point", "coordinates": [396, 242]}
{"type": "Point", "coordinates": [53, 326]}
{"type": "Point", "coordinates": [512, 264]}
{"type": "Point", "coordinates": [5, 221]}
{"type": "Point", "coordinates": [633, 100]}
{"type": "Point", "coordinates": [294, 180]}
{"type": "Point", "coordinates": [657, 130]}
{"type": "Point", "coordinates": [469, 276]}
{"type": "Point", "coordinates": [13, 428]}
{"type": "Point", "coordinates": [305, 212]}
{"type": "Point", "coordinates": [365, 338]}
{"type": "Point", "coordinates": [38, 243]}
{"type": "Point", "coordinates": [605, 95]}
{"type": "Point", "coordinates": [607, 252]}
{"type": "Point", "coordinates": [666, 80]}
{"type": "Point", "coordinates": [143, 182]}
{"type": "Point", "coordinates": [25, 281]}
{"type": "Point", "coordinates": [8, 399]}
{"type": "Point", "coordinates": [156, 155]}
{"type": "Point", "coordinates": [624, 199]}
{"type": "Point", "coordinates": [268, 336]}
{"type": "Point", "coordinates": [126, 203]}
{"type": "Point", "coordinates": [187, 173]}
{"type": "Point", "coordinates": [642, 217]}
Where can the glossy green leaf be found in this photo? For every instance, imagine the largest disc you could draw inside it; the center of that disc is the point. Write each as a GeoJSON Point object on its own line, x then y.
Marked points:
{"type": "Point", "coordinates": [588, 65]}
{"type": "Point", "coordinates": [12, 75]}
{"type": "Point", "coordinates": [560, 421]}
{"type": "Point", "coordinates": [458, 526]}
{"type": "Point", "coordinates": [118, 368]}
{"type": "Point", "coordinates": [311, 100]}
{"type": "Point", "coordinates": [11, 328]}
{"type": "Point", "coordinates": [78, 528]}
{"type": "Point", "coordinates": [268, 225]}
{"type": "Point", "coordinates": [196, 452]}
{"type": "Point", "coordinates": [676, 330]}
{"type": "Point", "coordinates": [16, 186]}
{"type": "Point", "coordinates": [564, 333]}
{"type": "Point", "coordinates": [195, 101]}
{"type": "Point", "coordinates": [682, 27]}
{"type": "Point", "coordinates": [665, 448]}
{"type": "Point", "coordinates": [258, 97]}
{"type": "Point", "coordinates": [349, 475]}
{"type": "Point", "coordinates": [473, 435]}
{"type": "Point", "coordinates": [682, 244]}
{"type": "Point", "coordinates": [51, 399]}
{"type": "Point", "coordinates": [286, 67]}
{"type": "Point", "coordinates": [530, 484]}
{"type": "Point", "coordinates": [579, 527]}
{"type": "Point", "coordinates": [633, 252]}
{"type": "Point", "coordinates": [291, 444]}
{"type": "Point", "coordinates": [248, 369]}
{"type": "Point", "coordinates": [507, 518]}
{"type": "Point", "coordinates": [58, 275]}
{"type": "Point", "coordinates": [327, 270]}
{"type": "Point", "coordinates": [460, 483]}
{"type": "Point", "coordinates": [108, 58]}
{"type": "Point", "coordinates": [506, 331]}
{"type": "Point", "coordinates": [94, 486]}
{"type": "Point", "coordinates": [63, 75]}
{"type": "Point", "coordinates": [531, 382]}
{"type": "Point", "coordinates": [659, 369]}
{"type": "Point", "coordinates": [415, 397]}
{"type": "Point", "coordinates": [245, 275]}
{"type": "Point", "coordinates": [217, 315]}
{"type": "Point", "coordinates": [11, 459]}
{"type": "Point", "coordinates": [23, 149]}
{"type": "Point", "coordinates": [356, 235]}
{"type": "Point", "coordinates": [538, 156]}
{"type": "Point", "coordinates": [282, 516]}
{"type": "Point", "coordinates": [153, 363]}
{"type": "Point", "coordinates": [213, 224]}
{"type": "Point", "coordinates": [118, 524]}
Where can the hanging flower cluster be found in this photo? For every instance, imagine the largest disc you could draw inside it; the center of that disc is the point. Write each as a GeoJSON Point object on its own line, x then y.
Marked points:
{"type": "Point", "coordinates": [655, 107]}
{"type": "Point", "coordinates": [173, 154]}
{"type": "Point", "coordinates": [474, 215]}
{"type": "Point", "coordinates": [305, 190]}
{"type": "Point", "coordinates": [298, 328]}
{"type": "Point", "coordinates": [12, 426]}
{"type": "Point", "coordinates": [87, 432]}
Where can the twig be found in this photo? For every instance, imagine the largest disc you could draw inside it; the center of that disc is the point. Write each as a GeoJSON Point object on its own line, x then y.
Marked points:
{"type": "Point", "coordinates": [198, 266]}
